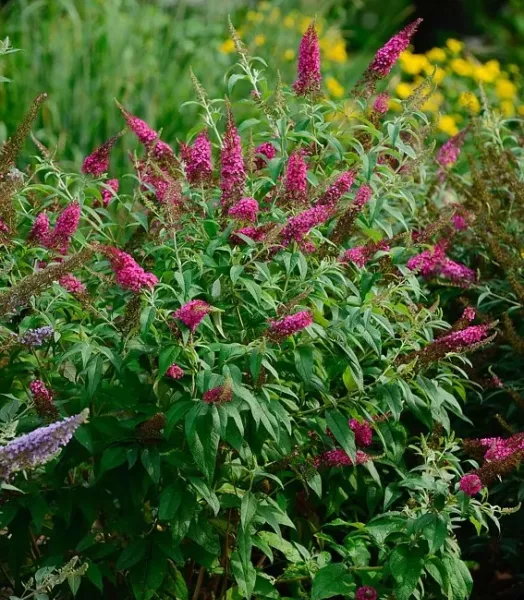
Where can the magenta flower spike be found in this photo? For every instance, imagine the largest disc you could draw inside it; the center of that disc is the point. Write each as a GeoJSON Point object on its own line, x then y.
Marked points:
{"type": "Point", "coordinates": [388, 55]}
{"type": "Point", "coordinates": [309, 78]}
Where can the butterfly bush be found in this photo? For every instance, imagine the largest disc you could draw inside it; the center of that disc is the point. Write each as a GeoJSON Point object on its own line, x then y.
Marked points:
{"type": "Point", "coordinates": [272, 390]}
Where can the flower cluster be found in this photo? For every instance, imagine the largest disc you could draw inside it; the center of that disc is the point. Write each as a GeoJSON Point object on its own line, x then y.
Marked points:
{"type": "Point", "coordinates": [244, 210]}
{"type": "Point", "coordinates": [97, 163]}
{"type": "Point", "coordinates": [43, 399]}
{"type": "Point", "coordinates": [38, 446]}
{"type": "Point", "coordinates": [282, 328]}
{"type": "Point", "coordinates": [264, 153]}
{"type": "Point", "coordinates": [72, 284]}
{"type": "Point", "coordinates": [108, 193]}
{"type": "Point", "coordinates": [197, 159]}
{"type": "Point", "coordinates": [335, 191]}
{"type": "Point", "coordinates": [361, 255]}
{"type": "Point", "coordinates": [295, 182]}
{"type": "Point", "coordinates": [128, 274]}
{"type": "Point", "coordinates": [36, 337]}
{"type": "Point", "coordinates": [450, 151]}
{"type": "Point", "coordinates": [192, 313]}
{"type": "Point", "coordinates": [175, 372]}
{"type": "Point", "coordinates": [363, 432]}
{"type": "Point", "coordinates": [366, 592]}
{"type": "Point", "coordinates": [219, 395]}
{"type": "Point", "coordinates": [434, 262]}
{"type": "Point", "coordinates": [233, 172]}
{"type": "Point", "coordinates": [339, 458]}
{"type": "Point", "coordinates": [470, 484]}
{"type": "Point", "coordinates": [388, 55]}
{"type": "Point", "coordinates": [299, 226]}
{"type": "Point", "coordinates": [309, 78]}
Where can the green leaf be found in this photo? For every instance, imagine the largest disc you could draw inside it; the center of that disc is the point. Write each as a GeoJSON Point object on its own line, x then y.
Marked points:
{"type": "Point", "coordinates": [339, 426]}
{"type": "Point", "coordinates": [245, 575]}
{"type": "Point", "coordinates": [390, 394]}
{"type": "Point", "coordinates": [179, 587]}
{"type": "Point", "coordinates": [151, 461]}
{"type": "Point", "coordinates": [95, 576]}
{"type": "Point", "coordinates": [131, 555]}
{"type": "Point", "coordinates": [209, 495]}
{"type": "Point", "coordinates": [279, 543]}
{"type": "Point", "coordinates": [94, 374]}
{"type": "Point", "coordinates": [167, 358]}
{"type": "Point", "coordinates": [380, 527]}
{"type": "Point", "coordinates": [434, 529]}
{"type": "Point", "coordinates": [203, 439]}
{"type": "Point", "coordinates": [148, 576]}
{"type": "Point", "coordinates": [331, 580]}
{"type": "Point", "coordinates": [74, 582]}
{"type": "Point", "coordinates": [169, 502]}
{"type": "Point", "coordinates": [112, 458]}
{"type": "Point", "coordinates": [304, 362]}
{"type": "Point", "coordinates": [248, 508]}
{"type": "Point", "coordinates": [406, 564]}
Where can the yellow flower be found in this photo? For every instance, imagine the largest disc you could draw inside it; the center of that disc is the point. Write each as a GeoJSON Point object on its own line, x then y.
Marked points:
{"type": "Point", "coordinates": [289, 21]}
{"type": "Point", "coordinates": [254, 17]}
{"type": "Point", "coordinates": [447, 124]}
{"type": "Point", "coordinates": [461, 67]}
{"type": "Point", "coordinates": [334, 50]}
{"type": "Point", "coordinates": [493, 66]}
{"type": "Point", "coordinates": [334, 87]}
{"type": "Point", "coordinates": [412, 63]}
{"type": "Point", "coordinates": [455, 46]}
{"type": "Point", "coordinates": [260, 40]}
{"type": "Point", "coordinates": [227, 47]}
{"type": "Point", "coordinates": [507, 108]}
{"type": "Point", "coordinates": [438, 75]}
{"type": "Point", "coordinates": [520, 110]}
{"type": "Point", "coordinates": [505, 89]}
{"type": "Point", "coordinates": [304, 24]}
{"type": "Point", "coordinates": [436, 55]}
{"type": "Point", "coordinates": [484, 74]}
{"type": "Point", "coordinates": [433, 103]}
{"type": "Point", "coordinates": [469, 101]}
{"type": "Point", "coordinates": [289, 54]}
{"type": "Point", "coordinates": [404, 90]}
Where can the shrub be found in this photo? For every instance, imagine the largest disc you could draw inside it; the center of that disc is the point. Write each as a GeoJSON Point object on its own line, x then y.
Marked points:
{"type": "Point", "coordinates": [269, 394]}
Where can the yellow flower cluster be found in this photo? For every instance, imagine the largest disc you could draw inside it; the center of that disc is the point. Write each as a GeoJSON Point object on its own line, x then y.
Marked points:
{"type": "Point", "coordinates": [457, 76]}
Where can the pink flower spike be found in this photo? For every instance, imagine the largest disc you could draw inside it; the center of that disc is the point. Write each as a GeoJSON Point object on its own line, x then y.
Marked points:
{"type": "Point", "coordinates": [97, 162]}
{"type": "Point", "coordinates": [109, 194]}
{"type": "Point", "coordinates": [128, 274]}
{"type": "Point", "coordinates": [244, 210]}
{"type": "Point", "coordinates": [362, 196]}
{"type": "Point", "coordinates": [295, 182]}
{"type": "Point", "coordinates": [65, 227]}
{"type": "Point", "coordinates": [363, 432]}
{"type": "Point", "coordinates": [381, 103]}
{"type": "Point", "coordinates": [338, 458]}
{"type": "Point", "coordinates": [469, 314]}
{"type": "Point", "coordinates": [309, 78]}
{"type": "Point", "coordinates": [358, 256]}
{"type": "Point", "coordinates": [388, 55]}
{"type": "Point", "coordinates": [175, 372]}
{"type": "Point", "coordinates": [192, 313]}
{"type": "Point", "coordinates": [233, 172]}
{"type": "Point", "coordinates": [450, 151]}
{"type": "Point", "coordinates": [470, 484]}
{"type": "Point", "coordinates": [73, 285]}
{"type": "Point", "coordinates": [140, 128]}
{"type": "Point", "coordinates": [460, 340]}
{"type": "Point", "coordinates": [282, 328]}
{"type": "Point", "coordinates": [299, 226]}
{"type": "Point", "coordinates": [40, 229]}
{"type": "Point", "coordinates": [218, 395]}
{"type": "Point", "coordinates": [197, 159]}
{"type": "Point", "coordinates": [264, 153]}
{"type": "Point", "coordinates": [459, 223]}
{"type": "Point", "coordinates": [335, 191]}
{"type": "Point", "coordinates": [257, 234]}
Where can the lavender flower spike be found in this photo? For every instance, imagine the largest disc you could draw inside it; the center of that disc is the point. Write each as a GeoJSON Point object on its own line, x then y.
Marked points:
{"type": "Point", "coordinates": [38, 446]}
{"type": "Point", "coordinates": [36, 337]}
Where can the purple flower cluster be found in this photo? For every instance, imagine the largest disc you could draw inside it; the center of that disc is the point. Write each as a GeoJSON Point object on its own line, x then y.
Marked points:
{"type": "Point", "coordinates": [282, 328]}
{"type": "Point", "coordinates": [450, 151]}
{"type": "Point", "coordinates": [65, 227]}
{"type": "Point", "coordinates": [257, 234]}
{"type": "Point", "coordinates": [500, 448]}
{"type": "Point", "coordinates": [309, 78]}
{"type": "Point", "coordinates": [388, 55]}
{"type": "Point", "coordinates": [40, 229]}
{"type": "Point", "coordinates": [339, 458]}
{"type": "Point", "coordinates": [362, 197]}
{"type": "Point", "coordinates": [36, 337]}
{"type": "Point", "coordinates": [128, 274]}
{"type": "Point", "coordinates": [38, 446]}
{"type": "Point", "coordinates": [381, 103]}
{"type": "Point", "coordinates": [299, 226]}
{"type": "Point", "coordinates": [233, 172]}
{"type": "Point", "coordinates": [366, 592]}
{"type": "Point", "coordinates": [43, 399]}
{"type": "Point", "coordinates": [470, 484]}
{"type": "Point", "coordinates": [197, 159]}
{"type": "Point", "coordinates": [361, 255]}
{"type": "Point", "coordinates": [459, 222]}
{"type": "Point", "coordinates": [295, 182]}
{"type": "Point", "coordinates": [175, 372]}
{"type": "Point", "coordinates": [192, 313]}
{"type": "Point", "coordinates": [363, 432]}
{"type": "Point", "coordinates": [244, 210]}
{"type": "Point", "coordinates": [3, 227]}
{"type": "Point", "coordinates": [335, 191]}
{"type": "Point", "coordinates": [264, 153]}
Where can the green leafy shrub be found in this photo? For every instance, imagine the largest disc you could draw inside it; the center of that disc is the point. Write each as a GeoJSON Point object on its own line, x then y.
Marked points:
{"type": "Point", "coordinates": [269, 394]}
